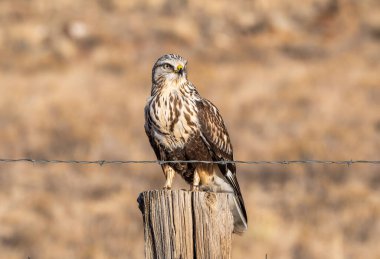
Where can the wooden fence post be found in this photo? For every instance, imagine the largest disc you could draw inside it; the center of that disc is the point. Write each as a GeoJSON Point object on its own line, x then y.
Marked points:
{"type": "Point", "coordinates": [183, 224]}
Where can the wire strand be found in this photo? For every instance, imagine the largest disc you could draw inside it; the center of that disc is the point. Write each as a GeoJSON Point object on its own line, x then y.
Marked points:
{"type": "Point", "coordinates": [105, 162]}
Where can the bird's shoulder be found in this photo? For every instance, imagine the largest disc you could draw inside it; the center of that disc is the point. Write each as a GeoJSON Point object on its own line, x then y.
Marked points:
{"type": "Point", "coordinates": [209, 112]}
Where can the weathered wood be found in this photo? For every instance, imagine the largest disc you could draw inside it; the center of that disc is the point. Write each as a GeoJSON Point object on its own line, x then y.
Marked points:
{"type": "Point", "coordinates": [183, 224]}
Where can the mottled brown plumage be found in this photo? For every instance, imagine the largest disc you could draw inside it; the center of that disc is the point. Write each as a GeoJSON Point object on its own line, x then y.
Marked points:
{"type": "Point", "coordinates": [181, 125]}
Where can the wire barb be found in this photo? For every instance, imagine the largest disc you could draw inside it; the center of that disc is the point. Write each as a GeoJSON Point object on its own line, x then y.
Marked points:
{"type": "Point", "coordinates": [223, 162]}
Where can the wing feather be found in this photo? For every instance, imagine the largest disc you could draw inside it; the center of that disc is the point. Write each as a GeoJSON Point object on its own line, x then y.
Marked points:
{"type": "Point", "coordinates": [214, 134]}
{"type": "Point", "coordinates": [214, 131]}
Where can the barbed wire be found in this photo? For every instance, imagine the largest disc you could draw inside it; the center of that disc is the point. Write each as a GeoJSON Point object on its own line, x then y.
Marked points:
{"type": "Point", "coordinates": [106, 162]}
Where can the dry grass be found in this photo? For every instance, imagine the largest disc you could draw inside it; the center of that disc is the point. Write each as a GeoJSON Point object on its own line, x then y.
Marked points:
{"type": "Point", "coordinates": [292, 80]}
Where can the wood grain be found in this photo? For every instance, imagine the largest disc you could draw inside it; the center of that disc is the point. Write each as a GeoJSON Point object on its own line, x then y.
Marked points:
{"type": "Point", "coordinates": [183, 224]}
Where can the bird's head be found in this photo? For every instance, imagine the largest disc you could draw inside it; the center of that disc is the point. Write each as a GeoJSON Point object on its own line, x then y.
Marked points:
{"type": "Point", "coordinates": [169, 68]}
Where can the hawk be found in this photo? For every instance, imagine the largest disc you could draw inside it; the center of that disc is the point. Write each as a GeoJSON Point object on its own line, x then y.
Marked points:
{"type": "Point", "coordinates": [183, 126]}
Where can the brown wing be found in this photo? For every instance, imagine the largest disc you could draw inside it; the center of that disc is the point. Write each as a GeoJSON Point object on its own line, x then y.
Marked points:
{"type": "Point", "coordinates": [214, 132]}
{"type": "Point", "coordinates": [215, 135]}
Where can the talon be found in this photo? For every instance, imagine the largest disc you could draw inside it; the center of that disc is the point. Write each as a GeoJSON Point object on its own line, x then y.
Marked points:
{"type": "Point", "coordinates": [167, 188]}
{"type": "Point", "coordinates": [194, 188]}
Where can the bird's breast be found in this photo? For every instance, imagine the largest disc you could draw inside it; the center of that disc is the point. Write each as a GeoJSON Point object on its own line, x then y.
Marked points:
{"type": "Point", "coordinates": [174, 118]}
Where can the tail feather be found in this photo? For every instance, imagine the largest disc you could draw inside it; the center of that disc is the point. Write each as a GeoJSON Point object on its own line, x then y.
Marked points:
{"type": "Point", "coordinates": [239, 214]}
{"type": "Point", "coordinates": [228, 183]}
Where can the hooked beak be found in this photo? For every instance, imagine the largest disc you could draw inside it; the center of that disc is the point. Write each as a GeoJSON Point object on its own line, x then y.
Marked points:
{"type": "Point", "coordinates": [179, 69]}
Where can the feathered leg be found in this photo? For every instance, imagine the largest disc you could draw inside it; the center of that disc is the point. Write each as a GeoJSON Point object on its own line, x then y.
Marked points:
{"type": "Point", "coordinates": [196, 180]}
{"type": "Point", "coordinates": [203, 175]}
{"type": "Point", "coordinates": [169, 175]}
{"type": "Point", "coordinates": [206, 174]}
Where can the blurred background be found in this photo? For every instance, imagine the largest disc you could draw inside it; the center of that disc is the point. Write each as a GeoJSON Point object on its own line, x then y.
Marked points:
{"type": "Point", "coordinates": [293, 80]}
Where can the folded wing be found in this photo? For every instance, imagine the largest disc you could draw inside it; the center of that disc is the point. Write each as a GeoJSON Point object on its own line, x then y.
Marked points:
{"type": "Point", "coordinates": [215, 136]}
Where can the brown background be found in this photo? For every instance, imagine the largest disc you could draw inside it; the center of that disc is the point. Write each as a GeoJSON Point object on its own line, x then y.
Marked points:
{"type": "Point", "coordinates": [292, 79]}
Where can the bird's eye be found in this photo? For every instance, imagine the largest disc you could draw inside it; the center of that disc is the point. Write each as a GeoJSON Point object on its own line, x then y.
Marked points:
{"type": "Point", "coordinates": [166, 66]}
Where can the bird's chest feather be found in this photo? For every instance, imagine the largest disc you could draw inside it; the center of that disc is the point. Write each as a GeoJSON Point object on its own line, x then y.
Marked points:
{"type": "Point", "coordinates": [174, 117]}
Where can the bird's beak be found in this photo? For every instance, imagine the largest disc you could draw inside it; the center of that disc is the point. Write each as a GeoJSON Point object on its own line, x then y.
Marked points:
{"type": "Point", "coordinates": [179, 69]}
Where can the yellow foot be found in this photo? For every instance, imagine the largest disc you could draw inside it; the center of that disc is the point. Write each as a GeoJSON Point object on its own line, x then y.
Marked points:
{"type": "Point", "coordinates": [167, 188]}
